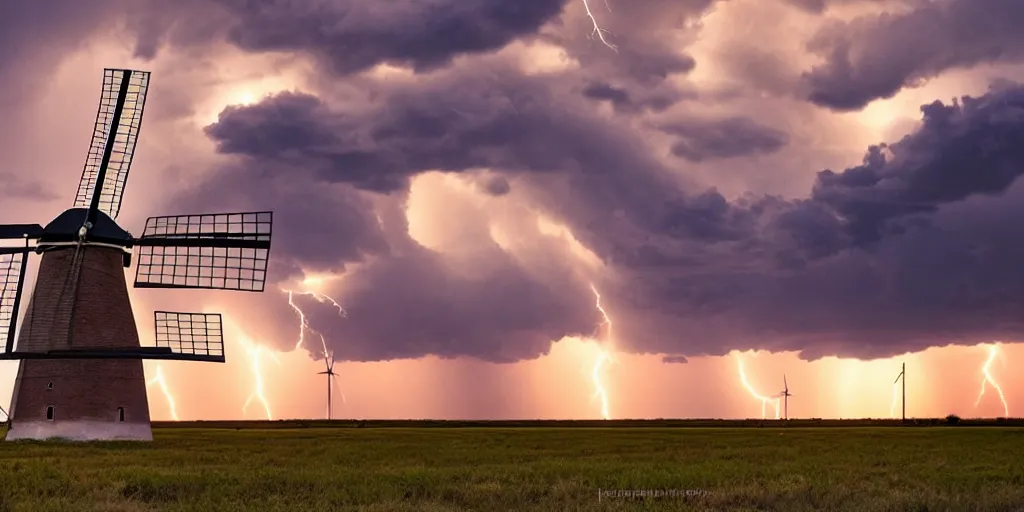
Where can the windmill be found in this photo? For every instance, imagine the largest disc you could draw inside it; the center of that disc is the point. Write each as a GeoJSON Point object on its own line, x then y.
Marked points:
{"type": "Point", "coordinates": [80, 375]}
{"type": "Point", "coordinates": [903, 400]}
{"type": "Point", "coordinates": [329, 362]}
{"type": "Point", "coordinates": [785, 394]}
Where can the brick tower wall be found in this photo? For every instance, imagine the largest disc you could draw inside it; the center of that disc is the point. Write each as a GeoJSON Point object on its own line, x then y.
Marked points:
{"type": "Point", "coordinates": [85, 392]}
{"type": "Point", "coordinates": [103, 314]}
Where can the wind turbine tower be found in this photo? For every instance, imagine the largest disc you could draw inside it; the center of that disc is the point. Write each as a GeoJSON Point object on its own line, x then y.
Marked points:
{"type": "Point", "coordinates": [785, 394]}
{"type": "Point", "coordinates": [903, 375]}
{"type": "Point", "coordinates": [329, 362]}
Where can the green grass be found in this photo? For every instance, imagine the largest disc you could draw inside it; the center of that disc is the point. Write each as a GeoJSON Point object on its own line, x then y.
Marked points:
{"type": "Point", "coordinates": [529, 469]}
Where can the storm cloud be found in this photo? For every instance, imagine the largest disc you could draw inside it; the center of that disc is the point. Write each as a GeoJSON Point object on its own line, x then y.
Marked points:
{"type": "Point", "coordinates": [875, 57]}
{"type": "Point", "coordinates": [697, 140]}
{"type": "Point", "coordinates": [353, 36]}
{"type": "Point", "coordinates": [832, 273]}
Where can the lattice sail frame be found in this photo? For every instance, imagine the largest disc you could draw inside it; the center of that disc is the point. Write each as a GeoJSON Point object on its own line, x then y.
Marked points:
{"type": "Point", "coordinates": [12, 278]}
{"type": "Point", "coordinates": [130, 121]}
{"type": "Point", "coordinates": [221, 251]}
{"type": "Point", "coordinates": [197, 334]}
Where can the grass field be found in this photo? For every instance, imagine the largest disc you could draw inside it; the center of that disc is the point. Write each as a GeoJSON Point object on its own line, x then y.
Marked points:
{"type": "Point", "coordinates": [249, 467]}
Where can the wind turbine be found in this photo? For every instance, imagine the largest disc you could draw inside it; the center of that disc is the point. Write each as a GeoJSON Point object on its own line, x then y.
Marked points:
{"type": "Point", "coordinates": [329, 362]}
{"type": "Point", "coordinates": [903, 375]}
{"type": "Point", "coordinates": [785, 394]}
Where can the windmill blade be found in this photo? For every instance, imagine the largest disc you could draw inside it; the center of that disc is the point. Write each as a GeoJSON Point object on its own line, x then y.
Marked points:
{"type": "Point", "coordinates": [785, 384]}
{"type": "Point", "coordinates": [221, 251]}
{"type": "Point", "coordinates": [115, 134]}
{"type": "Point", "coordinates": [898, 378]}
{"type": "Point", "coordinates": [20, 231]}
{"type": "Point", "coordinates": [13, 262]}
{"type": "Point", "coordinates": [190, 336]}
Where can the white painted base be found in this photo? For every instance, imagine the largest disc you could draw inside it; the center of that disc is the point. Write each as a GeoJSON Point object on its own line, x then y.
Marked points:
{"type": "Point", "coordinates": [81, 430]}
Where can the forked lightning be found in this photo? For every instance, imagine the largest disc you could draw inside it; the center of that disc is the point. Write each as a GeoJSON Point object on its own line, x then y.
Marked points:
{"type": "Point", "coordinates": [603, 358]}
{"type": "Point", "coordinates": [161, 382]}
{"type": "Point", "coordinates": [304, 322]}
{"type": "Point", "coordinates": [598, 31]}
{"type": "Point", "coordinates": [750, 389]}
{"type": "Point", "coordinates": [986, 371]}
{"type": "Point", "coordinates": [256, 353]}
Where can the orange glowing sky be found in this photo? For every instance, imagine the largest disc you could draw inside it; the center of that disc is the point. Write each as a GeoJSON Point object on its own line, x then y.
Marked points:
{"type": "Point", "coordinates": [557, 385]}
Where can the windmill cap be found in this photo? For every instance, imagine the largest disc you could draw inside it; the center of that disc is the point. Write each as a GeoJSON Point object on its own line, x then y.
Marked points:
{"type": "Point", "coordinates": [65, 227]}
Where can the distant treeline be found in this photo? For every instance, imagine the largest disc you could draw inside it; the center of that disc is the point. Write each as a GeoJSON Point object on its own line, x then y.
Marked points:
{"type": "Point", "coordinates": [656, 423]}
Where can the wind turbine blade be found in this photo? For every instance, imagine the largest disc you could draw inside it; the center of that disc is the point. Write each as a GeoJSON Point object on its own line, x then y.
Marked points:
{"type": "Point", "coordinates": [340, 392]}
{"type": "Point", "coordinates": [784, 383]}
{"type": "Point", "coordinates": [898, 378]}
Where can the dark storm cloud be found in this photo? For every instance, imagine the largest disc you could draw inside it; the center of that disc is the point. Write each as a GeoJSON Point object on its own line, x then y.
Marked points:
{"type": "Point", "coordinates": [913, 248]}
{"type": "Point", "coordinates": [876, 56]}
{"type": "Point", "coordinates": [476, 118]}
{"type": "Point", "coordinates": [960, 150]}
{"type": "Point", "coordinates": [497, 186]}
{"type": "Point", "coordinates": [17, 187]}
{"type": "Point", "coordinates": [602, 91]}
{"type": "Point", "coordinates": [675, 360]}
{"type": "Point", "coordinates": [732, 137]}
{"type": "Point", "coordinates": [352, 36]}
{"type": "Point", "coordinates": [819, 6]}
{"type": "Point", "coordinates": [624, 101]}
{"type": "Point", "coordinates": [909, 250]}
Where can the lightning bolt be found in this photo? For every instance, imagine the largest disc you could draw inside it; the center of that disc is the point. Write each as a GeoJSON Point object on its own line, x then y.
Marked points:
{"type": "Point", "coordinates": [162, 383]}
{"type": "Point", "coordinates": [304, 322]}
{"type": "Point", "coordinates": [256, 353]}
{"type": "Point", "coordinates": [993, 352]}
{"type": "Point", "coordinates": [603, 358]}
{"type": "Point", "coordinates": [765, 400]}
{"type": "Point", "coordinates": [598, 31]}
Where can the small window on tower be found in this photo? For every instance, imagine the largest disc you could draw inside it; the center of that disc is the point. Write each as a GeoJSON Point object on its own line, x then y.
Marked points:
{"type": "Point", "coordinates": [49, 385]}
{"type": "Point", "coordinates": [49, 412]}
{"type": "Point", "coordinates": [120, 414]}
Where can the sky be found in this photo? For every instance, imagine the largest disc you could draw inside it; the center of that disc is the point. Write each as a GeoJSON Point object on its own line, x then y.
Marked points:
{"type": "Point", "coordinates": [555, 209]}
